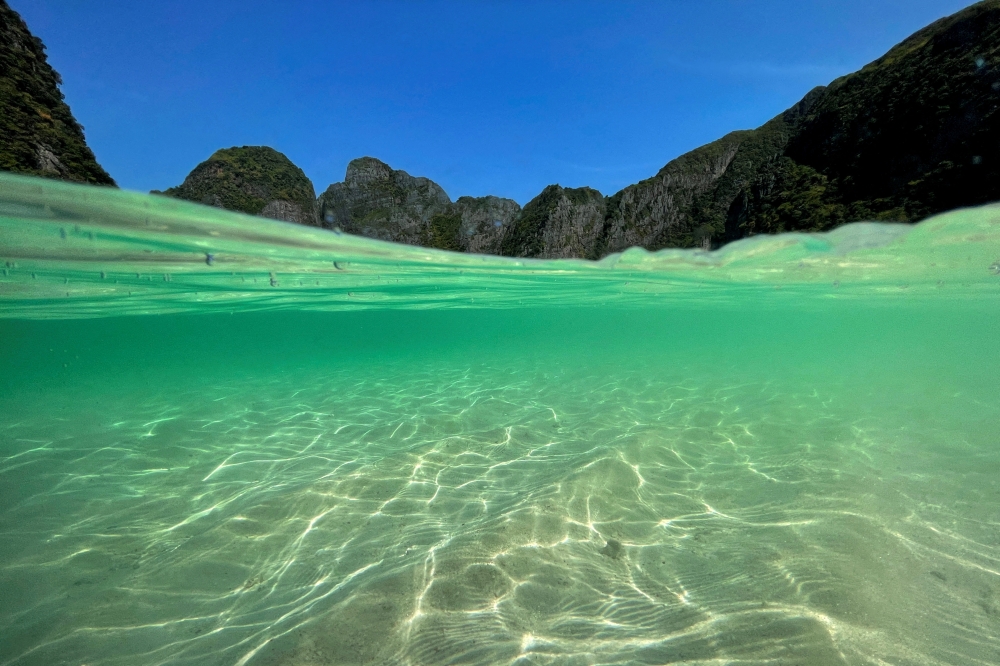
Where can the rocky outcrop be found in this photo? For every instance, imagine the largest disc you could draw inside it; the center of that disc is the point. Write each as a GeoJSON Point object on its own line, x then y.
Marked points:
{"type": "Point", "coordinates": [256, 180]}
{"type": "Point", "coordinates": [575, 225]}
{"type": "Point", "coordinates": [916, 132]}
{"type": "Point", "coordinates": [38, 133]}
{"type": "Point", "coordinates": [378, 201]}
{"type": "Point", "coordinates": [558, 223]}
{"type": "Point", "coordinates": [485, 222]}
{"type": "Point", "coordinates": [658, 212]}
{"type": "Point", "coordinates": [287, 211]}
{"type": "Point", "coordinates": [912, 134]}
{"type": "Point", "coordinates": [687, 203]}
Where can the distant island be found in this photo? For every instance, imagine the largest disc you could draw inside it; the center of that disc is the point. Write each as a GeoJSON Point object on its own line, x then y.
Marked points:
{"type": "Point", "coordinates": [912, 134]}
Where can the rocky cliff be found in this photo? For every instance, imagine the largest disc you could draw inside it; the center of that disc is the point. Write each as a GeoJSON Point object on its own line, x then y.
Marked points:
{"type": "Point", "coordinates": [485, 222]}
{"type": "Point", "coordinates": [558, 223]}
{"type": "Point", "coordinates": [378, 201]}
{"type": "Point", "coordinates": [912, 134]}
{"type": "Point", "coordinates": [38, 133]}
{"type": "Point", "coordinates": [252, 179]}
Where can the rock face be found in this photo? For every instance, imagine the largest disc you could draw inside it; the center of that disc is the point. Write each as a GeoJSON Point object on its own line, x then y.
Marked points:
{"type": "Point", "coordinates": [558, 223]}
{"type": "Point", "coordinates": [38, 134]}
{"type": "Point", "coordinates": [378, 201]}
{"type": "Point", "coordinates": [912, 134]}
{"type": "Point", "coordinates": [485, 222]}
{"type": "Point", "coordinates": [256, 180]}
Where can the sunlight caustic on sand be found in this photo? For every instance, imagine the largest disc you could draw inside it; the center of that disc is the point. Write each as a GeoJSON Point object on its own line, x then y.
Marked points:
{"type": "Point", "coordinates": [781, 452]}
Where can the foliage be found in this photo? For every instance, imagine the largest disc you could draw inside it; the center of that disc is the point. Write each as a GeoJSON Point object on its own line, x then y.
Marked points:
{"type": "Point", "coordinates": [246, 179]}
{"type": "Point", "coordinates": [524, 237]}
{"type": "Point", "coordinates": [912, 134]}
{"type": "Point", "coordinates": [38, 134]}
{"type": "Point", "coordinates": [444, 230]}
{"type": "Point", "coordinates": [802, 199]}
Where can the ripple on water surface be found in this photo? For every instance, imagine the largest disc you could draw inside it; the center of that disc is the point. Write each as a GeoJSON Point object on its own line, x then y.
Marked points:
{"type": "Point", "coordinates": [344, 451]}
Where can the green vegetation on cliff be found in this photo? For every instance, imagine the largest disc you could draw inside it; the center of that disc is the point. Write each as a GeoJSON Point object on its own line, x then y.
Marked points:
{"type": "Point", "coordinates": [917, 131]}
{"type": "Point", "coordinates": [444, 231]}
{"type": "Point", "coordinates": [38, 133]}
{"type": "Point", "coordinates": [256, 180]}
{"type": "Point", "coordinates": [912, 134]}
{"type": "Point", "coordinates": [524, 238]}
{"type": "Point", "coordinates": [559, 222]}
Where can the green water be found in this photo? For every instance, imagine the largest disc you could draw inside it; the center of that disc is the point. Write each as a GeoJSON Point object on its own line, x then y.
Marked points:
{"type": "Point", "coordinates": [218, 446]}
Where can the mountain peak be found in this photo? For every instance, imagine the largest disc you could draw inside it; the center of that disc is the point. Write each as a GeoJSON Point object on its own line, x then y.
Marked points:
{"type": "Point", "coordinates": [257, 180]}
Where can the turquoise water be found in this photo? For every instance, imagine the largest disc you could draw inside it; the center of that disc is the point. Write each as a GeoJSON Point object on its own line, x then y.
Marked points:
{"type": "Point", "coordinates": [227, 440]}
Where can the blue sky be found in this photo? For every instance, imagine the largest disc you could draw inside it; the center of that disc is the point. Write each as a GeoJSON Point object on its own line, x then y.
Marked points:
{"type": "Point", "coordinates": [483, 97]}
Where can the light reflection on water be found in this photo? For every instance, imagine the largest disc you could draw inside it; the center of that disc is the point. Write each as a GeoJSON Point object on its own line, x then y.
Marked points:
{"type": "Point", "coordinates": [804, 477]}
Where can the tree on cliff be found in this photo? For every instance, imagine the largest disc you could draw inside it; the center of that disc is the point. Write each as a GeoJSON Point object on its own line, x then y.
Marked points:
{"type": "Point", "coordinates": [38, 133]}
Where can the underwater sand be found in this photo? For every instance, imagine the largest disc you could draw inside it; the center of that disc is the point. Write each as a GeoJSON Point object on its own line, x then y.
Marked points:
{"type": "Point", "coordinates": [675, 462]}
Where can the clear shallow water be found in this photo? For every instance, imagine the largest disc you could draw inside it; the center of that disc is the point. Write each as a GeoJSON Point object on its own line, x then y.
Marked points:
{"type": "Point", "coordinates": [571, 471]}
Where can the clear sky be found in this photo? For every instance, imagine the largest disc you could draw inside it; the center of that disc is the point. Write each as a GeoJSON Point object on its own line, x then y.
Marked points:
{"type": "Point", "coordinates": [483, 97]}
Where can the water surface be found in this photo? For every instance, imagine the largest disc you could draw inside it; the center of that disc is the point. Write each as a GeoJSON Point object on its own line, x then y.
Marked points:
{"type": "Point", "coordinates": [226, 440]}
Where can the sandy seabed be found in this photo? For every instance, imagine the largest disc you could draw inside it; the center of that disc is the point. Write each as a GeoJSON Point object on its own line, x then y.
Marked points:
{"type": "Point", "coordinates": [464, 513]}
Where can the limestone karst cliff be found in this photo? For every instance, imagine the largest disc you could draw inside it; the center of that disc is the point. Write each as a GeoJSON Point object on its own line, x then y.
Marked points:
{"type": "Point", "coordinates": [558, 223]}
{"type": "Point", "coordinates": [38, 133]}
{"type": "Point", "coordinates": [378, 201]}
{"type": "Point", "coordinates": [912, 134]}
{"type": "Point", "coordinates": [485, 221]}
{"type": "Point", "coordinates": [251, 179]}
